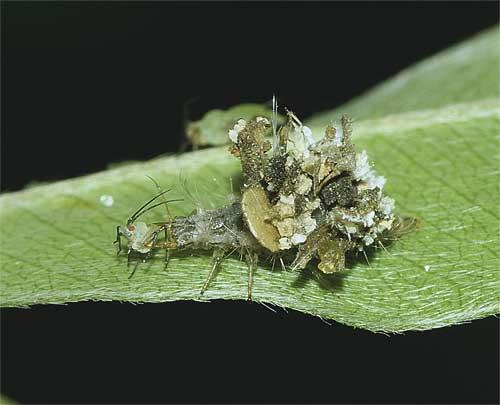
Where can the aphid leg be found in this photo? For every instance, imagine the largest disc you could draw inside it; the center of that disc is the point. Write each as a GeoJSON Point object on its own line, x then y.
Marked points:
{"type": "Point", "coordinates": [218, 256]}
{"type": "Point", "coordinates": [118, 240]}
{"type": "Point", "coordinates": [167, 252]}
{"type": "Point", "coordinates": [134, 270]}
{"type": "Point", "coordinates": [129, 255]}
{"type": "Point", "coordinates": [251, 260]}
{"type": "Point", "coordinates": [129, 259]}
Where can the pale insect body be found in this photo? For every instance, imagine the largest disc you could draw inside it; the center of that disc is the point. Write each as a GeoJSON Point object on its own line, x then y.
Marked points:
{"type": "Point", "coordinates": [220, 231]}
{"type": "Point", "coordinates": [314, 200]}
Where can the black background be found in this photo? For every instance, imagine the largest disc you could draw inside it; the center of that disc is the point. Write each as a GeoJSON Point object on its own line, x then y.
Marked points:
{"type": "Point", "coordinates": [86, 84]}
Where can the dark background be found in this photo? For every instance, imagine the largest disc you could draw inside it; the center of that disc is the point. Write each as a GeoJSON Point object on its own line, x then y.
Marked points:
{"type": "Point", "coordinates": [86, 84]}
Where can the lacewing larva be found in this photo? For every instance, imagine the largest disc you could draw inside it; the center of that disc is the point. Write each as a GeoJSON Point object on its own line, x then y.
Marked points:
{"type": "Point", "coordinates": [314, 200]}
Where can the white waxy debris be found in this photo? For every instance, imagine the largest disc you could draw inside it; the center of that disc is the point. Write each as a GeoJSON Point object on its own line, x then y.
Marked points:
{"type": "Point", "coordinates": [238, 127]}
{"type": "Point", "coordinates": [287, 199]}
{"type": "Point", "coordinates": [350, 229]}
{"type": "Point", "coordinates": [303, 185]}
{"type": "Point", "coordinates": [284, 243]}
{"type": "Point", "coordinates": [365, 173]}
{"type": "Point", "coordinates": [306, 131]}
{"type": "Point", "coordinates": [427, 267]}
{"type": "Point", "coordinates": [386, 205]}
{"type": "Point", "coordinates": [368, 219]}
{"type": "Point", "coordinates": [385, 224]}
{"type": "Point", "coordinates": [368, 240]}
{"type": "Point", "coordinates": [338, 140]}
{"type": "Point", "coordinates": [298, 238]}
{"type": "Point", "coordinates": [305, 223]}
{"type": "Point", "coordinates": [262, 119]}
{"type": "Point", "coordinates": [106, 200]}
{"type": "Point", "coordinates": [377, 182]}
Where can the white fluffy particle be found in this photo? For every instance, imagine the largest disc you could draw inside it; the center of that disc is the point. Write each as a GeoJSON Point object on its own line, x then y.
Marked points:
{"type": "Point", "coordinates": [368, 219]}
{"type": "Point", "coordinates": [106, 200]}
{"type": "Point", "coordinates": [287, 199]}
{"type": "Point", "coordinates": [365, 173]}
{"type": "Point", "coordinates": [427, 267]}
{"type": "Point", "coordinates": [303, 185]}
{"type": "Point", "coordinates": [306, 131]}
{"type": "Point", "coordinates": [233, 133]}
{"type": "Point", "coordinates": [298, 238]}
{"type": "Point", "coordinates": [362, 169]}
{"type": "Point", "coordinates": [284, 243]}
{"type": "Point", "coordinates": [368, 240]}
{"type": "Point", "coordinates": [338, 140]}
{"type": "Point", "coordinates": [386, 205]}
{"type": "Point", "coordinates": [262, 119]}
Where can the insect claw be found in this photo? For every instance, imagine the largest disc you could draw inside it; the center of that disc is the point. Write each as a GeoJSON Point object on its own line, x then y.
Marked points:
{"type": "Point", "coordinates": [218, 256]}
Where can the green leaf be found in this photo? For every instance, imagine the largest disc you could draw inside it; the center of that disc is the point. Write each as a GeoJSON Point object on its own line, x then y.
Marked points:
{"type": "Point", "coordinates": [441, 166]}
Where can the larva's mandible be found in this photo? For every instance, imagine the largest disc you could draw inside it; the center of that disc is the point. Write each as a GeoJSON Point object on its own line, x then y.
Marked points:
{"type": "Point", "coordinates": [300, 197]}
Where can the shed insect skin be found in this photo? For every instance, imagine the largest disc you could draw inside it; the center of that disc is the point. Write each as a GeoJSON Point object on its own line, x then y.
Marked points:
{"type": "Point", "coordinates": [316, 200]}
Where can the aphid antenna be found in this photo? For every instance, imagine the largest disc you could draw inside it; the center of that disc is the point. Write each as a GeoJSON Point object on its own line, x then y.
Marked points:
{"type": "Point", "coordinates": [156, 205]}
{"type": "Point", "coordinates": [159, 190]}
{"type": "Point", "coordinates": [137, 213]}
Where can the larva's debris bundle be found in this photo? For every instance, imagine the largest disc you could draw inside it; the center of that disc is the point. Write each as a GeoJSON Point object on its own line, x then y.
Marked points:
{"type": "Point", "coordinates": [317, 197]}
{"type": "Point", "coordinates": [300, 198]}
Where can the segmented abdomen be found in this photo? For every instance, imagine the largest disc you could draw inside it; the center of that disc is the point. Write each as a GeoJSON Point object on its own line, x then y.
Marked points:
{"type": "Point", "coordinates": [209, 229]}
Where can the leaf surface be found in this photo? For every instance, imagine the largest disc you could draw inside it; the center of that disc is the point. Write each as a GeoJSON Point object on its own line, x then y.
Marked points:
{"type": "Point", "coordinates": [441, 165]}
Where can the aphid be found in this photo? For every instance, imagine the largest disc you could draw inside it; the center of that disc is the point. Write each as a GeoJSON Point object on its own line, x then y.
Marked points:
{"type": "Point", "coordinates": [301, 198]}
{"type": "Point", "coordinates": [141, 237]}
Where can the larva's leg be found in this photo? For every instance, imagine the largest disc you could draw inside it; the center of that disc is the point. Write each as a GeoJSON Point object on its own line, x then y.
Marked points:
{"type": "Point", "coordinates": [167, 252]}
{"type": "Point", "coordinates": [251, 260]}
{"type": "Point", "coordinates": [218, 256]}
